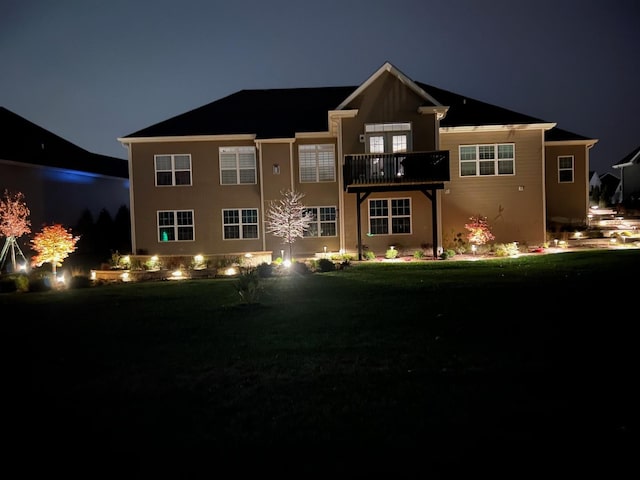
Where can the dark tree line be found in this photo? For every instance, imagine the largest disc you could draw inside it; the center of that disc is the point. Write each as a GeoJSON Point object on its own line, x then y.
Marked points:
{"type": "Point", "coordinates": [101, 238]}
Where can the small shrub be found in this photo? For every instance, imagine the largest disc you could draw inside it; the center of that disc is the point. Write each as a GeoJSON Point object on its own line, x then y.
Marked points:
{"type": "Point", "coordinates": [446, 254]}
{"type": "Point", "coordinates": [40, 284]}
{"type": "Point", "coordinates": [418, 254]}
{"type": "Point", "coordinates": [80, 281]}
{"type": "Point", "coordinates": [22, 283]}
{"type": "Point", "coordinates": [265, 270]}
{"type": "Point", "coordinates": [249, 286]}
{"type": "Point", "coordinates": [325, 265]}
{"type": "Point", "coordinates": [391, 253]}
{"type": "Point", "coordinates": [299, 268]}
{"type": "Point", "coordinates": [369, 255]}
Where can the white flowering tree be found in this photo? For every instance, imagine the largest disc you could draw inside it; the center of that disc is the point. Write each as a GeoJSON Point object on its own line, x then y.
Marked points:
{"type": "Point", "coordinates": [288, 218]}
{"type": "Point", "coordinates": [14, 222]}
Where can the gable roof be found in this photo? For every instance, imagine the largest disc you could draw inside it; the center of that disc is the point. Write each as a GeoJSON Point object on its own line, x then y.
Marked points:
{"type": "Point", "coordinates": [633, 157]}
{"type": "Point", "coordinates": [387, 67]}
{"type": "Point", "coordinates": [281, 113]}
{"type": "Point", "coordinates": [25, 142]}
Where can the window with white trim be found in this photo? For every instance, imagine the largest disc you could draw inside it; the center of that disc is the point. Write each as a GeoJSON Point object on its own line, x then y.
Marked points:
{"type": "Point", "coordinates": [487, 160]}
{"type": "Point", "coordinates": [324, 222]}
{"type": "Point", "coordinates": [387, 137]}
{"type": "Point", "coordinates": [565, 169]}
{"type": "Point", "coordinates": [172, 170]}
{"type": "Point", "coordinates": [239, 223]}
{"type": "Point", "coordinates": [389, 216]}
{"type": "Point", "coordinates": [175, 225]}
{"type": "Point", "coordinates": [317, 163]}
{"type": "Point", "coordinates": [237, 165]}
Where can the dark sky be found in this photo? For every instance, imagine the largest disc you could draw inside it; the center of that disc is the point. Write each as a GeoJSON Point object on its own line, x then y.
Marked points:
{"type": "Point", "coordinates": [91, 71]}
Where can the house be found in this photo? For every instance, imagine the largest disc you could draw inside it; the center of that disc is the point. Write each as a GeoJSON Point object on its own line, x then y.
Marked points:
{"type": "Point", "coordinates": [389, 162]}
{"type": "Point", "coordinates": [58, 179]}
{"type": "Point", "coordinates": [629, 168]}
{"type": "Point", "coordinates": [594, 181]}
{"type": "Point", "coordinates": [611, 189]}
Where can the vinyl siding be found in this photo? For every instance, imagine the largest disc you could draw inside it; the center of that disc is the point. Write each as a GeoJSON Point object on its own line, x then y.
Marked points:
{"type": "Point", "coordinates": [514, 215]}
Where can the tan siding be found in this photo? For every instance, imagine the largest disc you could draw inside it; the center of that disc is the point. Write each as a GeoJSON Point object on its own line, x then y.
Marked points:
{"type": "Point", "coordinates": [206, 197]}
{"type": "Point", "coordinates": [567, 202]}
{"type": "Point", "coordinates": [514, 215]}
{"type": "Point", "coordinates": [389, 100]}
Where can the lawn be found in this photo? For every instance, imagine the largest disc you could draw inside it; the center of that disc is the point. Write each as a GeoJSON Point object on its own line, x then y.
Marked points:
{"type": "Point", "coordinates": [380, 367]}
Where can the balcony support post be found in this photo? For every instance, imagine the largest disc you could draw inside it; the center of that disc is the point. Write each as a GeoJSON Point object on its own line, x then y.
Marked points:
{"type": "Point", "coordinates": [359, 201]}
{"type": "Point", "coordinates": [432, 195]}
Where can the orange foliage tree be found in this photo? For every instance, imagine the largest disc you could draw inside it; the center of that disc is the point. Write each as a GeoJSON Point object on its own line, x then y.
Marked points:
{"type": "Point", "coordinates": [479, 231]}
{"type": "Point", "coordinates": [53, 244]}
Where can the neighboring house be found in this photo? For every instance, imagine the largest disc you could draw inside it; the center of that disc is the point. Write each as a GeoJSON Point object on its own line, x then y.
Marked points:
{"type": "Point", "coordinates": [594, 181]}
{"type": "Point", "coordinates": [595, 186]}
{"type": "Point", "coordinates": [391, 162]}
{"type": "Point", "coordinates": [629, 168]}
{"type": "Point", "coordinates": [611, 189]}
{"type": "Point", "coordinates": [59, 180]}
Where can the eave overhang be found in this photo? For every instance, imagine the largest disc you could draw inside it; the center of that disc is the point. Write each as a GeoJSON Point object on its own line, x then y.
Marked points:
{"type": "Point", "coordinates": [497, 128]}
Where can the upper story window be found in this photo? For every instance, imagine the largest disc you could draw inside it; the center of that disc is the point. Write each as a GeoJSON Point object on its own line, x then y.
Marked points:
{"type": "Point", "coordinates": [173, 169]}
{"type": "Point", "coordinates": [389, 216]}
{"type": "Point", "coordinates": [324, 222]}
{"type": "Point", "coordinates": [175, 225]}
{"type": "Point", "coordinates": [237, 165]}
{"type": "Point", "coordinates": [317, 163]}
{"type": "Point", "coordinates": [485, 160]}
{"type": "Point", "coordinates": [240, 223]}
{"type": "Point", "coordinates": [565, 169]}
{"type": "Point", "coordinates": [388, 137]}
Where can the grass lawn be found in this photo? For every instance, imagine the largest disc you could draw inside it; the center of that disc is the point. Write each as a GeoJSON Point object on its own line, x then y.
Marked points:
{"type": "Point", "coordinates": [380, 368]}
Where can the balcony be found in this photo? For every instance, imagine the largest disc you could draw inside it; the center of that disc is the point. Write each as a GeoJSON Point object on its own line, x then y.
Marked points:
{"type": "Point", "coordinates": [395, 169]}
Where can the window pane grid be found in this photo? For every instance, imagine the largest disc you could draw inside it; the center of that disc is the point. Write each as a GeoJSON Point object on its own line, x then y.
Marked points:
{"type": "Point", "coordinates": [324, 222]}
{"type": "Point", "coordinates": [240, 224]}
{"type": "Point", "coordinates": [175, 225]}
{"type": "Point", "coordinates": [487, 160]}
{"type": "Point", "coordinates": [172, 170]}
{"type": "Point", "coordinates": [390, 212]}
{"type": "Point", "coordinates": [565, 169]}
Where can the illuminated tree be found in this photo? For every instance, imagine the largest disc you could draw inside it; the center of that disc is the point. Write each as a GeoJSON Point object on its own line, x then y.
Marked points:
{"type": "Point", "coordinates": [479, 231]}
{"type": "Point", "coordinates": [53, 244]}
{"type": "Point", "coordinates": [288, 218]}
{"type": "Point", "coordinates": [14, 223]}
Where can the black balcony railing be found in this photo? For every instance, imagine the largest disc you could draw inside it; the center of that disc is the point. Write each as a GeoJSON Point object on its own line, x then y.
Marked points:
{"type": "Point", "coordinates": [390, 168]}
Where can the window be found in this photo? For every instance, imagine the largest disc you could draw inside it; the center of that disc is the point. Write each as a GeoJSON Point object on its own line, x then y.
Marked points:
{"type": "Point", "coordinates": [388, 137]}
{"type": "Point", "coordinates": [240, 223]}
{"type": "Point", "coordinates": [175, 225]}
{"type": "Point", "coordinates": [486, 160]}
{"type": "Point", "coordinates": [317, 163]}
{"type": "Point", "coordinates": [324, 222]}
{"type": "Point", "coordinates": [390, 216]}
{"type": "Point", "coordinates": [565, 169]}
{"type": "Point", "coordinates": [173, 170]}
{"type": "Point", "coordinates": [237, 165]}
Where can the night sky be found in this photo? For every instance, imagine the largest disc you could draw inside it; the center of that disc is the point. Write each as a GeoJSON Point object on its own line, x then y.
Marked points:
{"type": "Point", "coordinates": [92, 71]}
